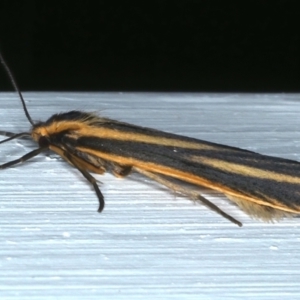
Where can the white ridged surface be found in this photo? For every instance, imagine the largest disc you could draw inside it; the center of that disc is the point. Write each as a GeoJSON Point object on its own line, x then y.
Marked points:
{"type": "Point", "coordinates": [147, 243]}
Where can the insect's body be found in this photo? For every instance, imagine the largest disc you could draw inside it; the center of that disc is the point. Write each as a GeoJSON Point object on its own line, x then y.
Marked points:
{"type": "Point", "coordinates": [263, 186]}
{"type": "Point", "coordinates": [98, 144]}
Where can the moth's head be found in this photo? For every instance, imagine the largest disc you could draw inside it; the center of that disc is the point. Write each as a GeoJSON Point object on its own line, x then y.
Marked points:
{"type": "Point", "coordinates": [40, 134]}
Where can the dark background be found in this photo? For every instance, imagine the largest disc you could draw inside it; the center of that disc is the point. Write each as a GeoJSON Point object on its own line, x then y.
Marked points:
{"type": "Point", "coordinates": [188, 45]}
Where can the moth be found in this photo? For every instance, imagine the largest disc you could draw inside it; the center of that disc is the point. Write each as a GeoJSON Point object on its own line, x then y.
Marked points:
{"type": "Point", "coordinates": [264, 187]}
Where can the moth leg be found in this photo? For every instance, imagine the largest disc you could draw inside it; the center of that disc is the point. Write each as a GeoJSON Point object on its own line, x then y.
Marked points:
{"type": "Point", "coordinates": [23, 158]}
{"type": "Point", "coordinates": [90, 162]}
{"type": "Point", "coordinates": [13, 136]}
{"type": "Point", "coordinates": [193, 194]}
{"type": "Point", "coordinates": [120, 170]}
{"type": "Point", "coordinates": [89, 177]}
{"type": "Point", "coordinates": [7, 133]}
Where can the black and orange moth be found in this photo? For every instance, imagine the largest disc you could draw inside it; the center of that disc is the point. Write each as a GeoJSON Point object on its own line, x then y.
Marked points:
{"type": "Point", "coordinates": [265, 187]}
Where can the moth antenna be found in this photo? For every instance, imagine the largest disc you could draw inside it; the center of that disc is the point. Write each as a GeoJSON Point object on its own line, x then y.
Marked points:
{"type": "Point", "coordinates": [12, 80]}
